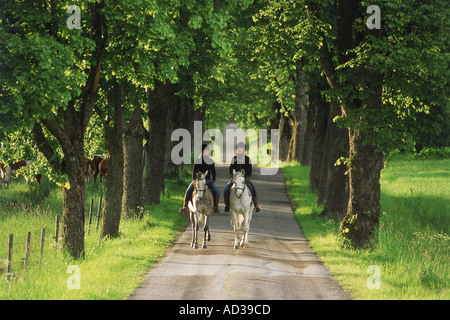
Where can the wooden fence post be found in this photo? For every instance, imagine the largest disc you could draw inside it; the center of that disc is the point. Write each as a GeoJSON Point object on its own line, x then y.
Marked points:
{"type": "Point", "coordinates": [99, 210]}
{"type": "Point", "coordinates": [56, 229]}
{"type": "Point", "coordinates": [10, 248]}
{"type": "Point", "coordinates": [42, 242]}
{"type": "Point", "coordinates": [90, 217]}
{"type": "Point", "coordinates": [27, 249]}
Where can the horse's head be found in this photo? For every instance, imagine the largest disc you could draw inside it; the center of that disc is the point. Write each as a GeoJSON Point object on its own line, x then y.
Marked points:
{"type": "Point", "coordinates": [200, 184]}
{"type": "Point", "coordinates": [239, 182]}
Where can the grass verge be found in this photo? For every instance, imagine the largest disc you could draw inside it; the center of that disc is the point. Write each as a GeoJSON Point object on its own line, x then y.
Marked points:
{"type": "Point", "coordinates": [111, 269]}
{"type": "Point", "coordinates": [411, 258]}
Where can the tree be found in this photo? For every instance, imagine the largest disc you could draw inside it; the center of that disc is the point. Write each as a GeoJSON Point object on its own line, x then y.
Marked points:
{"type": "Point", "coordinates": [114, 179]}
{"type": "Point", "coordinates": [50, 76]}
{"type": "Point", "coordinates": [371, 66]}
{"type": "Point", "coordinates": [134, 133]}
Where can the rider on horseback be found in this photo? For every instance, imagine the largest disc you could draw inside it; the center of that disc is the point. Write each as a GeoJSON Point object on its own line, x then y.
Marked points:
{"type": "Point", "coordinates": [239, 162]}
{"type": "Point", "coordinates": [206, 164]}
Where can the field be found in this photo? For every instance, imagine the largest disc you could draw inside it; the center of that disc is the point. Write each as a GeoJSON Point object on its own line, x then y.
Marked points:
{"type": "Point", "coordinates": [411, 258]}
{"type": "Point", "coordinates": [111, 269]}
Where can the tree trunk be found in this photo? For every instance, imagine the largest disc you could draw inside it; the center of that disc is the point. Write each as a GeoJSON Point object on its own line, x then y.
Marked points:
{"type": "Point", "coordinates": [308, 138]}
{"type": "Point", "coordinates": [170, 168]}
{"type": "Point", "coordinates": [320, 132]}
{"type": "Point", "coordinates": [300, 113]}
{"type": "Point", "coordinates": [160, 100]}
{"type": "Point", "coordinates": [295, 143]}
{"type": "Point", "coordinates": [327, 157]}
{"type": "Point", "coordinates": [74, 201]}
{"type": "Point", "coordinates": [366, 162]}
{"type": "Point", "coordinates": [285, 135]}
{"type": "Point", "coordinates": [336, 197]}
{"type": "Point", "coordinates": [71, 140]}
{"type": "Point", "coordinates": [133, 165]}
{"type": "Point", "coordinates": [114, 176]}
{"type": "Point", "coordinates": [363, 209]}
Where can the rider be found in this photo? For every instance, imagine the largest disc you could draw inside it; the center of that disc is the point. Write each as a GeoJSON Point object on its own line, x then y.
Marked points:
{"type": "Point", "coordinates": [239, 162]}
{"type": "Point", "coordinates": [207, 164]}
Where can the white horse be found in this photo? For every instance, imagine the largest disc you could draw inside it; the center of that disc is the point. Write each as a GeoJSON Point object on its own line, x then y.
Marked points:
{"type": "Point", "coordinates": [201, 208]}
{"type": "Point", "coordinates": [241, 207]}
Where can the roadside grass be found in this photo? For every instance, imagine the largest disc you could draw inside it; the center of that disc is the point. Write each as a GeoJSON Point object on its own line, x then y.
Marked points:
{"type": "Point", "coordinates": [111, 269]}
{"type": "Point", "coordinates": [412, 252]}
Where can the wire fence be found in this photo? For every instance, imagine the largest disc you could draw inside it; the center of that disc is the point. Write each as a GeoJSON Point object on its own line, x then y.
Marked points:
{"type": "Point", "coordinates": [20, 253]}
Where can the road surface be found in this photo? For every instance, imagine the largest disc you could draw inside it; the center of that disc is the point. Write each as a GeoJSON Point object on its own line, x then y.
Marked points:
{"type": "Point", "coordinates": [277, 265]}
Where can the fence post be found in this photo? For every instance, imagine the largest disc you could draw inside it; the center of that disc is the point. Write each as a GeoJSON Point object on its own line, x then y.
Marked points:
{"type": "Point", "coordinates": [90, 216]}
{"type": "Point", "coordinates": [10, 248]}
{"type": "Point", "coordinates": [99, 210]}
{"type": "Point", "coordinates": [56, 229]}
{"type": "Point", "coordinates": [27, 249]}
{"type": "Point", "coordinates": [42, 242]}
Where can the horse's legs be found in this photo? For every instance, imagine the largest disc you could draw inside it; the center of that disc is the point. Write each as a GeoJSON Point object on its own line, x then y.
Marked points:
{"type": "Point", "coordinates": [194, 222]}
{"type": "Point", "coordinates": [209, 233]}
{"type": "Point", "coordinates": [191, 217]}
{"type": "Point", "coordinates": [236, 229]}
{"type": "Point", "coordinates": [206, 230]}
{"type": "Point", "coordinates": [246, 228]}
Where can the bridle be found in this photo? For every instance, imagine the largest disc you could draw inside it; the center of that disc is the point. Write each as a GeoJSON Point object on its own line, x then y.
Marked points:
{"type": "Point", "coordinates": [239, 188]}
{"type": "Point", "coordinates": [202, 190]}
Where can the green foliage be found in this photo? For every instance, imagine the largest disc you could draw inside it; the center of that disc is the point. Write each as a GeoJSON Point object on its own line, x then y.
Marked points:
{"type": "Point", "coordinates": [43, 62]}
{"type": "Point", "coordinates": [411, 56]}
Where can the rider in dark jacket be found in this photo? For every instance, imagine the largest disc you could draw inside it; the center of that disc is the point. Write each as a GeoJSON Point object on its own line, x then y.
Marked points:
{"type": "Point", "coordinates": [206, 164]}
{"type": "Point", "coordinates": [239, 162]}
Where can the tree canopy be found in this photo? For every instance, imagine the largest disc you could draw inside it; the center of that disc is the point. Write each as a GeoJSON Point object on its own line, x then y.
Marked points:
{"type": "Point", "coordinates": [307, 68]}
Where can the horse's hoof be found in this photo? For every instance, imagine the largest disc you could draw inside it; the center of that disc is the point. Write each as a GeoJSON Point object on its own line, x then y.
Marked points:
{"type": "Point", "coordinates": [195, 246]}
{"type": "Point", "coordinates": [204, 246]}
{"type": "Point", "coordinates": [244, 245]}
{"type": "Point", "coordinates": [236, 246]}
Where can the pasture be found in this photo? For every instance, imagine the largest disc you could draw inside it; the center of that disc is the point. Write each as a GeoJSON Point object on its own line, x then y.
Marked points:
{"type": "Point", "coordinates": [412, 253]}
{"type": "Point", "coordinates": [111, 269]}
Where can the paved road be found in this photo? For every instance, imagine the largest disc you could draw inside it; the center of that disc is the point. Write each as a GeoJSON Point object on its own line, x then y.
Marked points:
{"type": "Point", "coordinates": [278, 265]}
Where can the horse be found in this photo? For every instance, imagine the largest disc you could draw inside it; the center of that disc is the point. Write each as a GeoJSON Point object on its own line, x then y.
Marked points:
{"type": "Point", "coordinates": [201, 207]}
{"type": "Point", "coordinates": [241, 208]}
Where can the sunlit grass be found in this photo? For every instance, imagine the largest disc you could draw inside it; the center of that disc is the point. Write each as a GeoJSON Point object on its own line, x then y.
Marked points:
{"type": "Point", "coordinates": [413, 248]}
{"type": "Point", "coordinates": [111, 269]}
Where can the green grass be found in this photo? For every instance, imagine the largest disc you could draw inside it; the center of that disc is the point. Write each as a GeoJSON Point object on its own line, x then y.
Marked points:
{"type": "Point", "coordinates": [111, 269]}
{"type": "Point", "coordinates": [412, 253]}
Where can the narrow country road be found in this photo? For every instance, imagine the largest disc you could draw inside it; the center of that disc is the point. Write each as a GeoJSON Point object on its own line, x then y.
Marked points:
{"type": "Point", "coordinates": [278, 265]}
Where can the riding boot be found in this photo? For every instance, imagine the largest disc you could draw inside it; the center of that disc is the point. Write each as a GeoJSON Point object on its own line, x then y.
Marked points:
{"type": "Point", "coordinates": [226, 199]}
{"type": "Point", "coordinates": [256, 201]}
{"type": "Point", "coordinates": [184, 209]}
{"type": "Point", "coordinates": [216, 203]}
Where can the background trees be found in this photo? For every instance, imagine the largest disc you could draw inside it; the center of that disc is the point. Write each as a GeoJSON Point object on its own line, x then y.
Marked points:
{"type": "Point", "coordinates": [342, 95]}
